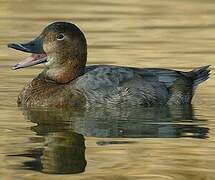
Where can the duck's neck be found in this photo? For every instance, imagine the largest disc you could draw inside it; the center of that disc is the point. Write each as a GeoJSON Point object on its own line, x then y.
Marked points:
{"type": "Point", "coordinates": [66, 71]}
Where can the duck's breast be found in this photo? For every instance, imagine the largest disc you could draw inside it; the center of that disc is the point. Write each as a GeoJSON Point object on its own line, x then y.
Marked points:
{"type": "Point", "coordinates": [40, 93]}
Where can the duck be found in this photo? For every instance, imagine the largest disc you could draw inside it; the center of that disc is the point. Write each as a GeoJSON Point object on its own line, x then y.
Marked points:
{"type": "Point", "coordinates": [66, 80]}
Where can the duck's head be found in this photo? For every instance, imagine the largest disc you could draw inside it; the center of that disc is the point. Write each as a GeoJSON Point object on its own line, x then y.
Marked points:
{"type": "Point", "coordinates": [61, 46]}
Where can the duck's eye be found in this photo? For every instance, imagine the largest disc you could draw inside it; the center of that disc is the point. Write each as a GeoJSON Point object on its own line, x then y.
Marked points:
{"type": "Point", "coordinates": [60, 36]}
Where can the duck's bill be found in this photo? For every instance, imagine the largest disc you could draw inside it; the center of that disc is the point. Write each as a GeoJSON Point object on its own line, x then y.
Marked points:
{"type": "Point", "coordinates": [38, 56]}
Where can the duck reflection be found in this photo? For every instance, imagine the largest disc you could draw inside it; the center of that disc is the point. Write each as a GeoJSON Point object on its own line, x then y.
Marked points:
{"type": "Point", "coordinates": [136, 122]}
{"type": "Point", "coordinates": [63, 153]}
{"type": "Point", "coordinates": [62, 131]}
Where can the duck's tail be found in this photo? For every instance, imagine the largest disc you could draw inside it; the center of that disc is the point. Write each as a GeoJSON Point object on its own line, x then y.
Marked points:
{"type": "Point", "coordinates": [199, 75]}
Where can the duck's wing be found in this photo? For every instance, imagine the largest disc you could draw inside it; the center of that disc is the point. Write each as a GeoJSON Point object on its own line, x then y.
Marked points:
{"type": "Point", "coordinates": [113, 83]}
{"type": "Point", "coordinates": [163, 75]}
{"type": "Point", "coordinates": [123, 74]}
{"type": "Point", "coordinates": [142, 86]}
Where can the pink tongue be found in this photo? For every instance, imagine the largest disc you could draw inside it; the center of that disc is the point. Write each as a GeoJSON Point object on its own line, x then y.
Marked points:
{"type": "Point", "coordinates": [30, 61]}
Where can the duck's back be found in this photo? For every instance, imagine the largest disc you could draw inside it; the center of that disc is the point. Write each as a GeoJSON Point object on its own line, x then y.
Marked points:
{"type": "Point", "coordinates": [149, 86]}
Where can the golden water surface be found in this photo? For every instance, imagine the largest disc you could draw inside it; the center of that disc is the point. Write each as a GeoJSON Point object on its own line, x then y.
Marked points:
{"type": "Point", "coordinates": [111, 144]}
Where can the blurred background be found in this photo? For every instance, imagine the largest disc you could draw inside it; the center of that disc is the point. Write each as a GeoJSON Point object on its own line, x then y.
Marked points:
{"type": "Point", "coordinates": [176, 34]}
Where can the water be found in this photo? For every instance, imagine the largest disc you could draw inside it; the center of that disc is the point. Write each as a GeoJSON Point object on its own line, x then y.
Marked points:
{"type": "Point", "coordinates": [111, 143]}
